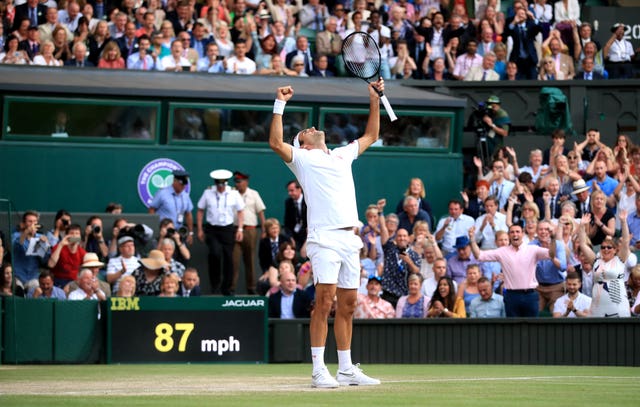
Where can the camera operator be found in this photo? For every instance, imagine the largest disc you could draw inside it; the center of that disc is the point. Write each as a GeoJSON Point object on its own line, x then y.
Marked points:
{"type": "Point", "coordinates": [168, 230]}
{"type": "Point", "coordinates": [400, 260]}
{"type": "Point", "coordinates": [497, 124]}
{"type": "Point", "coordinates": [93, 238]}
{"type": "Point", "coordinates": [60, 225]}
{"type": "Point", "coordinates": [141, 234]}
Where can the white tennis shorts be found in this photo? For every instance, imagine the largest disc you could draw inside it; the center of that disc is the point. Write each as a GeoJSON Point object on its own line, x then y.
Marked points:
{"type": "Point", "coordinates": [335, 257]}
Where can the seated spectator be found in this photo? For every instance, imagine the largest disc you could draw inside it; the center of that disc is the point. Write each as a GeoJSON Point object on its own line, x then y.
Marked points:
{"type": "Point", "coordinates": [417, 190]}
{"type": "Point", "coordinates": [412, 214]}
{"type": "Point", "coordinates": [190, 284]}
{"type": "Point", "coordinates": [46, 58]}
{"type": "Point", "coordinates": [548, 70]}
{"type": "Point", "coordinates": [269, 246]}
{"type": "Point", "coordinates": [149, 275]}
{"type": "Point", "coordinates": [321, 67]}
{"type": "Point", "coordinates": [212, 61]}
{"type": "Point", "coordinates": [79, 57]}
{"type": "Point", "coordinates": [430, 252]}
{"type": "Point", "coordinates": [66, 257]}
{"type": "Point", "coordinates": [400, 260]}
{"type": "Point", "coordinates": [415, 304]}
{"type": "Point", "coordinates": [91, 262]}
{"type": "Point", "coordinates": [329, 42]}
{"type": "Point", "coordinates": [12, 55]}
{"type": "Point", "coordinates": [127, 287]}
{"type": "Point", "coordinates": [591, 51]}
{"type": "Point", "coordinates": [7, 288]}
{"type": "Point", "coordinates": [144, 59]}
{"type": "Point", "coordinates": [474, 206]}
{"type": "Point", "coordinates": [371, 306]}
{"type": "Point", "coordinates": [402, 61]}
{"type": "Point", "coordinates": [466, 61]}
{"type": "Point", "coordinates": [302, 50]}
{"type": "Point", "coordinates": [452, 226]}
{"type": "Point", "coordinates": [168, 231]}
{"type": "Point", "coordinates": [88, 288]}
{"type": "Point", "coordinates": [485, 71]}
{"type": "Point", "coordinates": [297, 65]}
{"type": "Point", "coordinates": [500, 50]}
{"type": "Point", "coordinates": [438, 72]}
{"type": "Point", "coordinates": [489, 224]}
{"type": "Point", "coordinates": [488, 304]}
{"type": "Point", "coordinates": [46, 288]}
{"type": "Point", "coordinates": [31, 45]}
{"type": "Point", "coordinates": [222, 37]}
{"type": "Point", "coordinates": [98, 40]}
{"type": "Point", "coordinates": [444, 303]}
{"type": "Point", "coordinates": [94, 239]}
{"type": "Point", "coordinates": [468, 289]}
{"type": "Point", "coordinates": [573, 304]}
{"type": "Point", "coordinates": [430, 285]}
{"type": "Point", "coordinates": [587, 72]}
{"type": "Point", "coordinates": [239, 63]}
{"type": "Point", "coordinates": [111, 58]}
{"type": "Point", "coordinates": [458, 263]}
{"type": "Point", "coordinates": [169, 285]}
{"type": "Point", "coordinates": [289, 302]}
{"type": "Point", "coordinates": [124, 264]}
{"type": "Point", "coordinates": [451, 55]}
{"type": "Point", "coordinates": [175, 62]}
{"type": "Point", "coordinates": [168, 248]}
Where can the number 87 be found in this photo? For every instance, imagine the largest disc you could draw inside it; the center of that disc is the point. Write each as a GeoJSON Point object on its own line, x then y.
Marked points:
{"type": "Point", "coordinates": [164, 340]}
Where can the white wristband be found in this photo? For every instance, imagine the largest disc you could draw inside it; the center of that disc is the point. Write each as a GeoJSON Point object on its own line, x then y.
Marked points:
{"type": "Point", "coordinates": [278, 106]}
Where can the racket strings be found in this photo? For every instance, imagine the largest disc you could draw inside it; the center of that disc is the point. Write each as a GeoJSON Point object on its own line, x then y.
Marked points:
{"type": "Point", "coordinates": [361, 56]}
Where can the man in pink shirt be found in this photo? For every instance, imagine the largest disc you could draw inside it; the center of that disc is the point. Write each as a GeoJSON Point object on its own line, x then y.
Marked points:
{"type": "Point", "coordinates": [371, 306]}
{"type": "Point", "coordinates": [518, 262]}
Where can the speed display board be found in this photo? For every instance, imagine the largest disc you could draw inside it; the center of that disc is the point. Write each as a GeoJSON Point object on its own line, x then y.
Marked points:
{"type": "Point", "coordinates": [194, 329]}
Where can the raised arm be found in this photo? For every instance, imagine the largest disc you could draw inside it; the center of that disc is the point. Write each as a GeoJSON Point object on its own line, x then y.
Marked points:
{"type": "Point", "coordinates": [276, 133]}
{"type": "Point", "coordinates": [372, 131]}
{"type": "Point", "coordinates": [582, 238]}
{"type": "Point", "coordinates": [623, 251]}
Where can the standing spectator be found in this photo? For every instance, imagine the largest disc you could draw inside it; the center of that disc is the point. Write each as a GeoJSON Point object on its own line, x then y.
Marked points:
{"type": "Point", "coordinates": [220, 204]}
{"type": "Point", "coordinates": [400, 260]}
{"type": "Point", "coordinates": [329, 42]}
{"type": "Point", "coordinates": [118, 26]}
{"type": "Point", "coordinates": [70, 16]}
{"type": "Point", "coordinates": [488, 304]}
{"type": "Point", "coordinates": [30, 248]}
{"type": "Point", "coordinates": [313, 14]}
{"type": "Point", "coordinates": [254, 221]}
{"type": "Point", "coordinates": [371, 306]}
{"type": "Point", "coordinates": [518, 262]}
{"type": "Point", "coordinates": [61, 222]}
{"type": "Point", "coordinates": [46, 29]}
{"type": "Point", "coordinates": [128, 43]}
{"type": "Point", "coordinates": [290, 301]}
{"type": "Point", "coordinates": [412, 213]}
{"type": "Point", "coordinates": [457, 264]}
{"type": "Point", "coordinates": [270, 244]}
{"type": "Point", "coordinates": [573, 304]}
{"type": "Point", "coordinates": [550, 273]}
{"type": "Point", "coordinates": [523, 30]}
{"type": "Point", "coordinates": [466, 61]}
{"type": "Point", "coordinates": [66, 257]}
{"type": "Point", "coordinates": [618, 51]}
{"type": "Point", "coordinates": [295, 213]}
{"type": "Point", "coordinates": [488, 224]}
{"type": "Point", "coordinates": [148, 27]}
{"type": "Point", "coordinates": [174, 203]}
{"type": "Point", "coordinates": [452, 226]}
{"type": "Point", "coordinates": [33, 11]}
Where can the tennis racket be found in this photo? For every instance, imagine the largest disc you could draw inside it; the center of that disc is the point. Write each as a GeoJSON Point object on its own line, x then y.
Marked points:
{"type": "Point", "coordinates": [362, 59]}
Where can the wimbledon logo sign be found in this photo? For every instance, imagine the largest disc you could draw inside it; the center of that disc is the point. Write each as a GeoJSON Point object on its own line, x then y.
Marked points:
{"type": "Point", "coordinates": [156, 175]}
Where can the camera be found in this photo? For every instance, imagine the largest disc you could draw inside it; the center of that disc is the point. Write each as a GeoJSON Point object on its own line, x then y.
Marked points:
{"type": "Point", "coordinates": [65, 222]}
{"type": "Point", "coordinates": [402, 250]}
{"type": "Point", "coordinates": [170, 232]}
{"type": "Point", "coordinates": [183, 232]}
{"type": "Point", "coordinates": [96, 229]}
{"type": "Point", "coordinates": [137, 232]}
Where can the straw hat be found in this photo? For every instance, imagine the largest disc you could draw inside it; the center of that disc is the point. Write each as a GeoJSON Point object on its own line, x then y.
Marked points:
{"type": "Point", "coordinates": [154, 261]}
{"type": "Point", "coordinates": [91, 260]}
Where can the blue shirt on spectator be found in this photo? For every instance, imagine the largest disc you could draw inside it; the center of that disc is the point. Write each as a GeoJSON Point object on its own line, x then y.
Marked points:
{"type": "Point", "coordinates": [546, 271]}
{"type": "Point", "coordinates": [607, 186]}
{"type": "Point", "coordinates": [169, 204]}
{"type": "Point", "coordinates": [26, 268]}
{"type": "Point", "coordinates": [492, 308]}
{"type": "Point", "coordinates": [633, 220]}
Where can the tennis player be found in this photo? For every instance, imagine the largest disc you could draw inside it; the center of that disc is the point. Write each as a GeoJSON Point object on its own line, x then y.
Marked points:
{"type": "Point", "coordinates": [332, 246]}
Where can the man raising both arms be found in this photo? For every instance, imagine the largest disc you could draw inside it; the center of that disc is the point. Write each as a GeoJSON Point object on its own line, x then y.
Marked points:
{"type": "Point", "coordinates": [327, 181]}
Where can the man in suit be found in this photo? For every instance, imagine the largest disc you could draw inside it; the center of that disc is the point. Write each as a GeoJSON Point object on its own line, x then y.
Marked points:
{"type": "Point", "coordinates": [523, 30]}
{"type": "Point", "coordinates": [434, 35]}
{"type": "Point", "coordinates": [33, 10]}
{"type": "Point", "coordinates": [295, 214]}
{"type": "Point", "coordinates": [32, 44]}
{"type": "Point", "coordinates": [190, 284]}
{"type": "Point", "coordinates": [128, 43]}
{"type": "Point", "coordinates": [563, 62]}
{"type": "Point", "coordinates": [329, 42]}
{"type": "Point", "coordinates": [290, 302]}
{"type": "Point", "coordinates": [199, 41]}
{"type": "Point", "coordinates": [486, 43]}
{"type": "Point", "coordinates": [552, 199]}
{"type": "Point", "coordinates": [485, 71]}
{"type": "Point", "coordinates": [581, 192]}
{"type": "Point", "coordinates": [46, 29]}
{"type": "Point", "coordinates": [302, 49]}
{"type": "Point", "coordinates": [182, 20]}
{"type": "Point", "coordinates": [587, 73]}
{"type": "Point", "coordinates": [322, 67]}
{"type": "Point", "coordinates": [79, 57]}
{"type": "Point", "coordinates": [270, 244]}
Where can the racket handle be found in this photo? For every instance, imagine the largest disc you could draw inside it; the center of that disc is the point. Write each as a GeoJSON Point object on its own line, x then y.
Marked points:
{"type": "Point", "coordinates": [387, 107]}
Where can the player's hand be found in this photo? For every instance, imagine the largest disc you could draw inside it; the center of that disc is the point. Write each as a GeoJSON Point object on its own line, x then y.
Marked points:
{"type": "Point", "coordinates": [376, 88]}
{"type": "Point", "coordinates": [284, 93]}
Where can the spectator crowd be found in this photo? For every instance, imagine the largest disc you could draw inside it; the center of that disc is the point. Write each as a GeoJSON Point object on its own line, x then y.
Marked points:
{"type": "Point", "coordinates": [556, 236]}
{"type": "Point", "coordinates": [418, 39]}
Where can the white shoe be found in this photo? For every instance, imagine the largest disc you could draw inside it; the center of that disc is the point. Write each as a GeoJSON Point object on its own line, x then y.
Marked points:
{"type": "Point", "coordinates": [355, 377]}
{"type": "Point", "coordinates": [321, 378]}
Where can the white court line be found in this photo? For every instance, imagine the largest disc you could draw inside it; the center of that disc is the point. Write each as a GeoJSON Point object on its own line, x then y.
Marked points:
{"type": "Point", "coordinates": [488, 379]}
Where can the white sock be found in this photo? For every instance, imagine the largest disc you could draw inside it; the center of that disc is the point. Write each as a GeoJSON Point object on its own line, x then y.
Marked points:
{"type": "Point", "coordinates": [317, 357]}
{"type": "Point", "coordinates": [344, 360]}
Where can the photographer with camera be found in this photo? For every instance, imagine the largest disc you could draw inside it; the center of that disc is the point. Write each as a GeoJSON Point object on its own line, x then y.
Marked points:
{"type": "Point", "coordinates": [493, 124]}
{"type": "Point", "coordinates": [93, 238]}
{"type": "Point", "coordinates": [173, 202]}
{"type": "Point", "coordinates": [26, 259]}
{"type": "Point", "coordinates": [67, 256]}
{"type": "Point", "coordinates": [400, 260]}
{"type": "Point", "coordinates": [179, 236]}
{"type": "Point", "coordinates": [60, 225]}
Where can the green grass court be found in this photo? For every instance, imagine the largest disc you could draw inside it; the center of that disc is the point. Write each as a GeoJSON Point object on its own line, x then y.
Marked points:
{"type": "Point", "coordinates": [289, 385]}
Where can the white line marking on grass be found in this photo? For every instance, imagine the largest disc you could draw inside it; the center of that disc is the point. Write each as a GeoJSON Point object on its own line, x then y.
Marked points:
{"type": "Point", "coordinates": [488, 379]}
